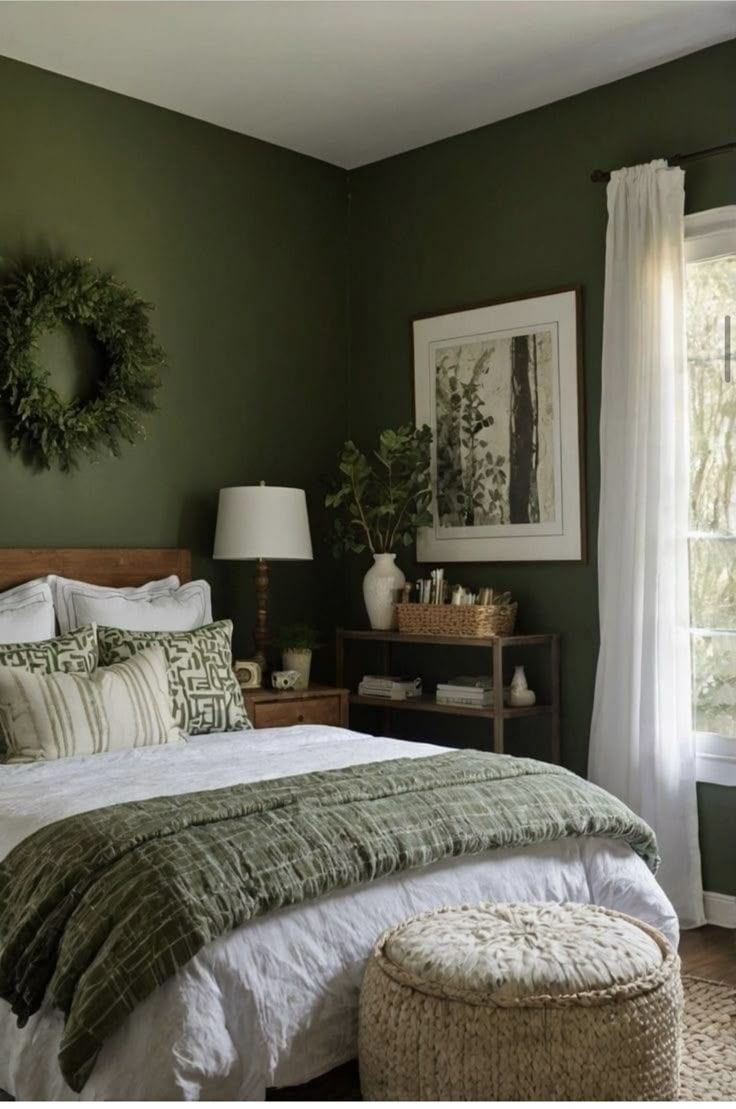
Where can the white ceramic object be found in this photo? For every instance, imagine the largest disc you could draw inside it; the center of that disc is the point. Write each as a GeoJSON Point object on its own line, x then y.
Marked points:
{"type": "Point", "coordinates": [520, 695]}
{"type": "Point", "coordinates": [300, 661]}
{"type": "Point", "coordinates": [518, 681]}
{"type": "Point", "coordinates": [284, 679]}
{"type": "Point", "coordinates": [382, 587]}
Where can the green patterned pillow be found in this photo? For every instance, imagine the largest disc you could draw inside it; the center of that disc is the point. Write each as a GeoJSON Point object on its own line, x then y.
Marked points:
{"type": "Point", "coordinates": [74, 653]}
{"type": "Point", "coordinates": [204, 693]}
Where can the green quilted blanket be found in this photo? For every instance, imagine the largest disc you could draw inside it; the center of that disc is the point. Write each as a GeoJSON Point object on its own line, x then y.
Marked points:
{"type": "Point", "coordinates": [99, 909]}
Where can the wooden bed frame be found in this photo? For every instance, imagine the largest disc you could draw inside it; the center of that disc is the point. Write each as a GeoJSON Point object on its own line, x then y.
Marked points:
{"type": "Point", "coordinates": [113, 566]}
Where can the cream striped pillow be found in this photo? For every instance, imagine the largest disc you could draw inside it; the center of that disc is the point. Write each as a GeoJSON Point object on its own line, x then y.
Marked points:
{"type": "Point", "coordinates": [51, 716]}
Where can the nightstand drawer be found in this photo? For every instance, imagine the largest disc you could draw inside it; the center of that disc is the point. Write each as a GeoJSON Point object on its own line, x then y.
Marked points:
{"type": "Point", "coordinates": [283, 714]}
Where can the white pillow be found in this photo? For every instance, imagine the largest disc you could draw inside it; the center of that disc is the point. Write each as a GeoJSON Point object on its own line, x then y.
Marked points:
{"type": "Point", "coordinates": [157, 606]}
{"type": "Point", "coordinates": [67, 592]}
{"type": "Point", "coordinates": [27, 613]}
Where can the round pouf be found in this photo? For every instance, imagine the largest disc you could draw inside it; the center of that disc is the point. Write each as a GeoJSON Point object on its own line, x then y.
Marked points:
{"type": "Point", "coordinates": [521, 1002]}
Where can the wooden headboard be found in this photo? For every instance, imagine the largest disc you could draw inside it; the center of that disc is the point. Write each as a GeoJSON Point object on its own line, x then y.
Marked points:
{"type": "Point", "coordinates": [114, 566]}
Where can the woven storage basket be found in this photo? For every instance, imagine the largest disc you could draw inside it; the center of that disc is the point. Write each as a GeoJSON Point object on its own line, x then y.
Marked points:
{"type": "Point", "coordinates": [521, 1002]}
{"type": "Point", "coordinates": [463, 621]}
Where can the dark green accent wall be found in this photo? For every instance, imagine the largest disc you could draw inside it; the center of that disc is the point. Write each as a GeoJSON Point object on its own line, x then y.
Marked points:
{"type": "Point", "coordinates": [241, 246]}
{"type": "Point", "coordinates": [717, 806]}
{"type": "Point", "coordinates": [510, 209]}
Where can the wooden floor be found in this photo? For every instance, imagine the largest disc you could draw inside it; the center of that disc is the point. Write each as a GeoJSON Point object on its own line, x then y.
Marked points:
{"type": "Point", "coordinates": [708, 952]}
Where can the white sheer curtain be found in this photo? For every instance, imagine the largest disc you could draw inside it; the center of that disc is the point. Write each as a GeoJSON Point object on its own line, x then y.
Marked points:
{"type": "Point", "coordinates": [642, 747]}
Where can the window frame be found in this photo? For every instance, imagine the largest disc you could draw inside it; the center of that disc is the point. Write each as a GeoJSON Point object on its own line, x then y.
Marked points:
{"type": "Point", "coordinates": [712, 234]}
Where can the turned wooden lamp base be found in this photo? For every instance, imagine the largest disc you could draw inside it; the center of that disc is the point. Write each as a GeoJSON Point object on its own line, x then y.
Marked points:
{"type": "Point", "coordinates": [256, 522]}
{"type": "Point", "coordinates": [260, 632]}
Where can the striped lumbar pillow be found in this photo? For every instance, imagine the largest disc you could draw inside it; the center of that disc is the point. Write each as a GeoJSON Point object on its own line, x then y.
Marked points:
{"type": "Point", "coordinates": [75, 653]}
{"type": "Point", "coordinates": [52, 716]}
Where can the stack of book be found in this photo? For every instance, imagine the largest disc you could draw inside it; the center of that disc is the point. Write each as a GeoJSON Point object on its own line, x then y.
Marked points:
{"type": "Point", "coordinates": [472, 692]}
{"type": "Point", "coordinates": [391, 688]}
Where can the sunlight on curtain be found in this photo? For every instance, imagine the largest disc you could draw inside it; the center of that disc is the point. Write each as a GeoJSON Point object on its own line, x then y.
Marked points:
{"type": "Point", "coordinates": [642, 747]}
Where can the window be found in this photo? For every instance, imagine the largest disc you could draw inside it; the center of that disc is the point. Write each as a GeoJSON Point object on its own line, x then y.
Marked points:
{"type": "Point", "coordinates": [711, 361]}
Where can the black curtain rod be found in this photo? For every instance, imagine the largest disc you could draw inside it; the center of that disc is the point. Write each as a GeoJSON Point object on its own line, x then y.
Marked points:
{"type": "Point", "coordinates": [605, 174]}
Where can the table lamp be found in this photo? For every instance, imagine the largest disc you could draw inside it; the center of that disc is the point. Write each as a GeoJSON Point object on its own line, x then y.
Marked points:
{"type": "Point", "coordinates": [261, 522]}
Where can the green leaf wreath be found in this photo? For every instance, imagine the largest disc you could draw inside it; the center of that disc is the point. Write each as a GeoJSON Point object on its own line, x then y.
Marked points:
{"type": "Point", "coordinates": [37, 298]}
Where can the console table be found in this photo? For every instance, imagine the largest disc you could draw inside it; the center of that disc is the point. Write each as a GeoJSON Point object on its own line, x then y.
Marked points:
{"type": "Point", "coordinates": [497, 713]}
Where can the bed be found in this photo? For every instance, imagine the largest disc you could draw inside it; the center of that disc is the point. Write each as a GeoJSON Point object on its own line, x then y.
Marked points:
{"type": "Point", "coordinates": [274, 1002]}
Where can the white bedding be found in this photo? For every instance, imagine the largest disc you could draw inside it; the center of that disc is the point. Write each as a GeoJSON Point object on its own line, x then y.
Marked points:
{"type": "Point", "coordinates": [275, 1002]}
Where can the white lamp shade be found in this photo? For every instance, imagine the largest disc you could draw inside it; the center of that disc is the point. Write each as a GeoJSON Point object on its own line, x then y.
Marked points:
{"type": "Point", "coordinates": [262, 521]}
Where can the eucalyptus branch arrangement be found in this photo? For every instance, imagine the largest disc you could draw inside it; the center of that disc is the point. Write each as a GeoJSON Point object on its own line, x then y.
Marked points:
{"type": "Point", "coordinates": [382, 500]}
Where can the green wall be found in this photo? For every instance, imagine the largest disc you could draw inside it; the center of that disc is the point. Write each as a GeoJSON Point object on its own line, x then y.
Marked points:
{"type": "Point", "coordinates": [718, 837]}
{"type": "Point", "coordinates": [511, 209]}
{"type": "Point", "coordinates": [241, 247]}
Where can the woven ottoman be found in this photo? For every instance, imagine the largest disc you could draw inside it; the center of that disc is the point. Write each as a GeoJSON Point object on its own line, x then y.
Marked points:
{"type": "Point", "coordinates": [521, 1002]}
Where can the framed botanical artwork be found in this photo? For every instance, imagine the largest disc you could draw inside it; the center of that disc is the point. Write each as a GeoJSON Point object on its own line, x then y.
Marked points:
{"type": "Point", "coordinates": [500, 386]}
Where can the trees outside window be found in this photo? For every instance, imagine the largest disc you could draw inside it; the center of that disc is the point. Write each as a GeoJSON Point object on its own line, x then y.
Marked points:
{"type": "Point", "coordinates": [711, 361]}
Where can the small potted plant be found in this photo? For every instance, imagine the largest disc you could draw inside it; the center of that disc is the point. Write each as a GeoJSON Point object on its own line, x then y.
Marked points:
{"type": "Point", "coordinates": [381, 502]}
{"type": "Point", "coordinates": [297, 641]}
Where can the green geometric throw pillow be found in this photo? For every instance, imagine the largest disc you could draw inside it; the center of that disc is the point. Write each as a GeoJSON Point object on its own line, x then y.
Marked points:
{"type": "Point", "coordinates": [73, 653]}
{"type": "Point", "coordinates": [205, 696]}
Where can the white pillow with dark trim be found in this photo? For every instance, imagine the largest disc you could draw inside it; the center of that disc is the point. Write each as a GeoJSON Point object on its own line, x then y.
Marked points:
{"type": "Point", "coordinates": [27, 613]}
{"type": "Point", "coordinates": [187, 608]}
{"type": "Point", "coordinates": [161, 605]}
{"type": "Point", "coordinates": [53, 716]}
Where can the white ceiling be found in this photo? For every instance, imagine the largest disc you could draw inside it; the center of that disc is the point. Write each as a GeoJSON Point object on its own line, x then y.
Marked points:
{"type": "Point", "coordinates": [355, 81]}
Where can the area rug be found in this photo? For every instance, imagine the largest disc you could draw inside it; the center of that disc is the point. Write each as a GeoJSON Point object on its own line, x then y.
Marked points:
{"type": "Point", "coordinates": [708, 1071]}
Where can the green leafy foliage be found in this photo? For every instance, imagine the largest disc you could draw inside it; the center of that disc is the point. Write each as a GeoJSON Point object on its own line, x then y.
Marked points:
{"type": "Point", "coordinates": [381, 501]}
{"type": "Point", "coordinates": [297, 637]}
{"type": "Point", "coordinates": [470, 479]}
{"type": "Point", "coordinates": [38, 298]}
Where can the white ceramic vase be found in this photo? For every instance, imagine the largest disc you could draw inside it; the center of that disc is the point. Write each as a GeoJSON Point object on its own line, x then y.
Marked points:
{"type": "Point", "coordinates": [518, 682]}
{"type": "Point", "coordinates": [382, 586]}
{"type": "Point", "coordinates": [301, 661]}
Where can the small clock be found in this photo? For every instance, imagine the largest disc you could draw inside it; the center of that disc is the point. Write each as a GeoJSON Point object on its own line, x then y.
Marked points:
{"type": "Point", "coordinates": [248, 674]}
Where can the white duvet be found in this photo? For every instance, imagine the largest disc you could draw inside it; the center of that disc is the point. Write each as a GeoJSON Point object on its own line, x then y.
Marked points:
{"type": "Point", "coordinates": [275, 1002]}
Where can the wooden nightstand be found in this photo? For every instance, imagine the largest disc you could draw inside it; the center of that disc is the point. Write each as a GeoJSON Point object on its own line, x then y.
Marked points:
{"type": "Point", "coordinates": [319, 704]}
